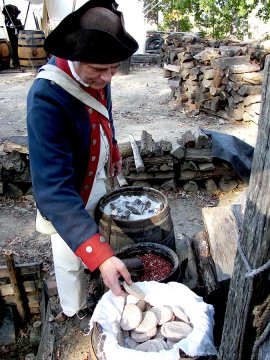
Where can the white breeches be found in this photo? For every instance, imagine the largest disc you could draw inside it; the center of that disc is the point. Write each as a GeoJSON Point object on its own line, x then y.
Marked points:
{"type": "Point", "coordinates": [69, 274]}
{"type": "Point", "coordinates": [69, 269]}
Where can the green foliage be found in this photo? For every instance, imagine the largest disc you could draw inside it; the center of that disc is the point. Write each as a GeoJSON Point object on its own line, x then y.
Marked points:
{"type": "Point", "coordinates": [264, 11]}
{"type": "Point", "coordinates": [215, 18]}
{"type": "Point", "coordinates": [175, 21]}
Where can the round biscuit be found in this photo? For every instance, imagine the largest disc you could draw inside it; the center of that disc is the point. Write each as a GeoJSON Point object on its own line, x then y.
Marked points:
{"type": "Point", "coordinates": [134, 290]}
{"type": "Point", "coordinates": [142, 337]}
{"type": "Point", "coordinates": [152, 346]}
{"type": "Point", "coordinates": [175, 330]}
{"type": "Point", "coordinates": [180, 315]}
{"type": "Point", "coordinates": [163, 313]}
{"type": "Point", "coordinates": [149, 321]}
{"type": "Point", "coordinates": [131, 317]}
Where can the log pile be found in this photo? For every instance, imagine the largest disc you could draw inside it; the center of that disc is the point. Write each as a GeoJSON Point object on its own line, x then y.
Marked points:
{"type": "Point", "coordinates": [220, 78]}
{"type": "Point", "coordinates": [148, 160]}
{"type": "Point", "coordinates": [187, 163]}
{"type": "Point", "coordinates": [15, 177]}
{"type": "Point", "coordinates": [27, 278]}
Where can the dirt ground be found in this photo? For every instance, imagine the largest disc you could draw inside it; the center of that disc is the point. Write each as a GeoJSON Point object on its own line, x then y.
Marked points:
{"type": "Point", "coordinates": [141, 101]}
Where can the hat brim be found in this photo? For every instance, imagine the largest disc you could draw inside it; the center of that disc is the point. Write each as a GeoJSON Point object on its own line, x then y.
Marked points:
{"type": "Point", "coordinates": [69, 42]}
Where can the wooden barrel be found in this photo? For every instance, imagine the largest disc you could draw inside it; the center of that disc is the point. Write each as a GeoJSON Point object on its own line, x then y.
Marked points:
{"type": "Point", "coordinates": [4, 54]}
{"type": "Point", "coordinates": [120, 232]}
{"type": "Point", "coordinates": [30, 49]}
{"type": "Point", "coordinates": [97, 339]}
{"type": "Point", "coordinates": [135, 250]}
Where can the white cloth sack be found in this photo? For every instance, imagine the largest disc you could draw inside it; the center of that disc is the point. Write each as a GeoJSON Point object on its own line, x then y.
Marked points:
{"type": "Point", "coordinates": [198, 343]}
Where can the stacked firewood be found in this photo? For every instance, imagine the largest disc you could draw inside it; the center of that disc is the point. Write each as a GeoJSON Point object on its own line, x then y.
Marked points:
{"type": "Point", "coordinates": [147, 160]}
{"type": "Point", "coordinates": [15, 177]}
{"type": "Point", "coordinates": [197, 166]}
{"type": "Point", "coordinates": [187, 163]}
{"type": "Point", "coordinates": [225, 80]}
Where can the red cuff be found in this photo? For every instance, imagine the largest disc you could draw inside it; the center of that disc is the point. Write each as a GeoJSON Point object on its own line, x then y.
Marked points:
{"type": "Point", "coordinates": [94, 251]}
{"type": "Point", "coordinates": [116, 156]}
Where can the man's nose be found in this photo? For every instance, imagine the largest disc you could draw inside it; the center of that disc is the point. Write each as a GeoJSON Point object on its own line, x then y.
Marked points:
{"type": "Point", "coordinates": [106, 75]}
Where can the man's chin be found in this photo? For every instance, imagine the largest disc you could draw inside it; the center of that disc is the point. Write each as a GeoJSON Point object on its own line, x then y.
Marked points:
{"type": "Point", "coordinates": [97, 86]}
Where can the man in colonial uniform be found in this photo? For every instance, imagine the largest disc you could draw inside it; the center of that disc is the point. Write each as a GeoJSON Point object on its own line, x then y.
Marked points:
{"type": "Point", "coordinates": [73, 149]}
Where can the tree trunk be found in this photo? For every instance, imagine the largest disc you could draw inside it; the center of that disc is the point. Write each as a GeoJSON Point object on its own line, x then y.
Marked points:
{"type": "Point", "coordinates": [246, 292]}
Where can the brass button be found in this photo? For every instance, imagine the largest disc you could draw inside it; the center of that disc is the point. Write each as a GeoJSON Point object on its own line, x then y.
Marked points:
{"type": "Point", "coordinates": [94, 142]}
{"type": "Point", "coordinates": [90, 111]}
{"type": "Point", "coordinates": [89, 249]}
{"type": "Point", "coordinates": [102, 97]}
{"type": "Point", "coordinates": [93, 158]}
{"type": "Point", "coordinates": [102, 239]}
{"type": "Point", "coordinates": [90, 173]}
{"type": "Point", "coordinates": [52, 82]}
{"type": "Point", "coordinates": [94, 126]}
{"type": "Point", "coordinates": [86, 187]}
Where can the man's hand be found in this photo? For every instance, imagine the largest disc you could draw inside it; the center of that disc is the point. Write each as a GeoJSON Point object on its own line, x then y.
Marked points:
{"type": "Point", "coordinates": [117, 167]}
{"type": "Point", "coordinates": [111, 270]}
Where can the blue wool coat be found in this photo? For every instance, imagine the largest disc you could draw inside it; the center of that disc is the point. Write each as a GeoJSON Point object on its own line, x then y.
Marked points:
{"type": "Point", "coordinates": [59, 142]}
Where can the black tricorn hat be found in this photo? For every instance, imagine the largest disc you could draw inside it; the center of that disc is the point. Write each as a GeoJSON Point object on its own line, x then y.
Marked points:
{"type": "Point", "coordinates": [72, 41]}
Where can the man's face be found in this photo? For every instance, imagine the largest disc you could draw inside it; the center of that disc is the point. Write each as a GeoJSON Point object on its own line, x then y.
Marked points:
{"type": "Point", "coordinates": [95, 75]}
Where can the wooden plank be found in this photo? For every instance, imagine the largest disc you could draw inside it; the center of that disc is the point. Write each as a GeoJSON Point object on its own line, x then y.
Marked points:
{"type": "Point", "coordinates": [174, 83]}
{"type": "Point", "coordinates": [255, 78]}
{"type": "Point", "coordinates": [171, 67]}
{"type": "Point", "coordinates": [246, 292]}
{"type": "Point", "coordinates": [125, 149]}
{"type": "Point", "coordinates": [200, 98]}
{"type": "Point", "coordinates": [34, 310]}
{"type": "Point", "coordinates": [150, 162]}
{"type": "Point", "coordinates": [187, 140]}
{"type": "Point", "coordinates": [136, 153]}
{"type": "Point", "coordinates": [250, 90]}
{"type": "Point", "coordinates": [205, 265]}
{"type": "Point", "coordinates": [148, 145]}
{"type": "Point", "coordinates": [121, 180]}
{"type": "Point", "coordinates": [218, 171]}
{"type": "Point", "coordinates": [20, 146]}
{"type": "Point", "coordinates": [187, 65]}
{"type": "Point", "coordinates": [225, 62]}
{"type": "Point", "coordinates": [15, 284]}
{"type": "Point", "coordinates": [10, 300]}
{"type": "Point", "coordinates": [7, 290]}
{"type": "Point", "coordinates": [252, 99]}
{"type": "Point", "coordinates": [167, 73]}
{"type": "Point", "coordinates": [186, 257]}
{"type": "Point", "coordinates": [153, 176]}
{"type": "Point", "coordinates": [264, 350]}
{"type": "Point", "coordinates": [209, 73]}
{"type": "Point", "coordinates": [232, 50]}
{"type": "Point", "coordinates": [24, 271]}
{"type": "Point", "coordinates": [243, 68]}
{"type": "Point", "coordinates": [200, 155]}
{"type": "Point", "coordinates": [222, 229]}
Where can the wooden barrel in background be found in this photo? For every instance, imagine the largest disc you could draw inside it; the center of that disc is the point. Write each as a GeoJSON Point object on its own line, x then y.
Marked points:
{"type": "Point", "coordinates": [4, 54]}
{"type": "Point", "coordinates": [119, 232]}
{"type": "Point", "coordinates": [30, 50]}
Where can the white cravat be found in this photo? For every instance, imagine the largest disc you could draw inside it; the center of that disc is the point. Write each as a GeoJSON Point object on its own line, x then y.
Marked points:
{"type": "Point", "coordinates": [76, 76]}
